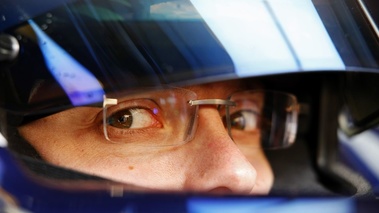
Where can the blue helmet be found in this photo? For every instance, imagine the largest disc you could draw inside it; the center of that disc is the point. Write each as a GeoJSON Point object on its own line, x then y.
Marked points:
{"type": "Point", "coordinates": [61, 54]}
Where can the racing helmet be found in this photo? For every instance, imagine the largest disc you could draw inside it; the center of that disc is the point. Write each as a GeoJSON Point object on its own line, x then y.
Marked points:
{"type": "Point", "coordinates": [317, 62]}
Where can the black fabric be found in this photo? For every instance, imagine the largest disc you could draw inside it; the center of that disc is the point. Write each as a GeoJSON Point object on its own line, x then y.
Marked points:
{"type": "Point", "coordinates": [46, 170]}
{"type": "Point", "coordinates": [294, 173]}
{"type": "Point", "coordinates": [30, 158]}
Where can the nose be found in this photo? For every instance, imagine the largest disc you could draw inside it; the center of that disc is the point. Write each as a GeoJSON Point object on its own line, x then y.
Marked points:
{"type": "Point", "coordinates": [217, 165]}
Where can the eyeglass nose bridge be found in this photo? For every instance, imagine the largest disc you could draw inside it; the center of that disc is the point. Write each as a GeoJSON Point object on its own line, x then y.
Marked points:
{"type": "Point", "coordinates": [226, 103]}
{"type": "Point", "coordinates": [212, 102]}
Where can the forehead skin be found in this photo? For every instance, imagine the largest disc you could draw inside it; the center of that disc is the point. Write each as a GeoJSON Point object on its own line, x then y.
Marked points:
{"type": "Point", "coordinates": [211, 162]}
{"type": "Point", "coordinates": [224, 88]}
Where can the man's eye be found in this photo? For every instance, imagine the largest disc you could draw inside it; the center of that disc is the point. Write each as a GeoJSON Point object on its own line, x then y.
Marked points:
{"type": "Point", "coordinates": [246, 120]}
{"type": "Point", "coordinates": [132, 118]}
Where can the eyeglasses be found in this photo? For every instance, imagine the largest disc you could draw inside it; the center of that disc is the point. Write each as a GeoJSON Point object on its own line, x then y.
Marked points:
{"type": "Point", "coordinates": [168, 116]}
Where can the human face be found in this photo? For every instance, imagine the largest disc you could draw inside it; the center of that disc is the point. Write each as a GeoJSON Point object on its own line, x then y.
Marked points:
{"type": "Point", "coordinates": [210, 162]}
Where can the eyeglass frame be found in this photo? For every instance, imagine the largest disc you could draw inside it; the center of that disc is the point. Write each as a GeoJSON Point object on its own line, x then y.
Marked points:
{"type": "Point", "coordinates": [198, 102]}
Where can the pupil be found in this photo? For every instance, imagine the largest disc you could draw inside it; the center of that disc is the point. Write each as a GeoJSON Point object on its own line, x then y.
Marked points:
{"type": "Point", "coordinates": [124, 119]}
{"type": "Point", "coordinates": [238, 123]}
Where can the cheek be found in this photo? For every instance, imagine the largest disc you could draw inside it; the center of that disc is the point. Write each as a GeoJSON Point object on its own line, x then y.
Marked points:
{"type": "Point", "coordinates": [87, 151]}
{"type": "Point", "coordinates": [151, 171]}
{"type": "Point", "coordinates": [257, 158]}
{"type": "Point", "coordinates": [265, 176]}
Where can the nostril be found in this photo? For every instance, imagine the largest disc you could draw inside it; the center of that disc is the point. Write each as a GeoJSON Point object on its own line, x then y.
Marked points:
{"type": "Point", "coordinates": [220, 191]}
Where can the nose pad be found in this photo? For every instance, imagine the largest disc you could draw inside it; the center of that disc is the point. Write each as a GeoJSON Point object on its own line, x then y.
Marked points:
{"type": "Point", "coordinates": [217, 166]}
